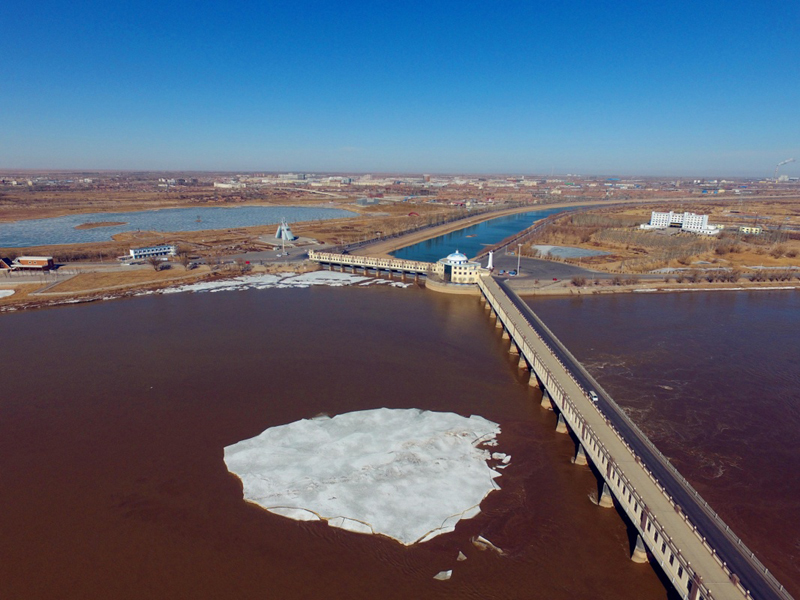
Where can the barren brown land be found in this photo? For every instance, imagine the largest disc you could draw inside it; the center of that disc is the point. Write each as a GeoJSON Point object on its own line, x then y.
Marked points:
{"type": "Point", "coordinates": [615, 230]}
{"type": "Point", "coordinates": [608, 223]}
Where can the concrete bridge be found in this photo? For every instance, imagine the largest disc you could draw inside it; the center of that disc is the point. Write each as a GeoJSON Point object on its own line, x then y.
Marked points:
{"type": "Point", "coordinates": [699, 554]}
{"type": "Point", "coordinates": [414, 268]}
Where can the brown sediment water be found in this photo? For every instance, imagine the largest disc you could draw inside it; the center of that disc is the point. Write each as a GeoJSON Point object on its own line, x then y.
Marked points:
{"type": "Point", "coordinates": [713, 379]}
{"type": "Point", "coordinates": [114, 416]}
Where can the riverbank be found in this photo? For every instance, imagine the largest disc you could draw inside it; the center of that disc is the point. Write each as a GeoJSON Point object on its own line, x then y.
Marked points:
{"type": "Point", "coordinates": [566, 288]}
{"type": "Point", "coordinates": [109, 285]}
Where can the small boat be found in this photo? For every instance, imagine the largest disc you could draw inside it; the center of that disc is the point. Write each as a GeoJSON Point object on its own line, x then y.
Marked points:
{"type": "Point", "coordinates": [473, 235]}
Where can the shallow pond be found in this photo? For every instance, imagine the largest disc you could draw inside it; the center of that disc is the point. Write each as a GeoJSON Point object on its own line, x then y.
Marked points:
{"type": "Point", "coordinates": [61, 230]}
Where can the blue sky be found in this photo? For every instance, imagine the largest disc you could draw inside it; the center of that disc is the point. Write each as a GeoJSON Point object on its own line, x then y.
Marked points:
{"type": "Point", "coordinates": [648, 88]}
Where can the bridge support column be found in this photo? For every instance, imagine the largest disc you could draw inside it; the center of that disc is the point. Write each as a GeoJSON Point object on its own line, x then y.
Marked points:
{"type": "Point", "coordinates": [505, 335]}
{"type": "Point", "coordinates": [534, 380]}
{"type": "Point", "coordinates": [512, 349]}
{"type": "Point", "coordinates": [547, 401]}
{"type": "Point", "coordinates": [580, 457]}
{"type": "Point", "coordinates": [606, 500]}
{"type": "Point", "coordinates": [498, 324]}
{"type": "Point", "coordinates": [523, 364]}
{"type": "Point", "coordinates": [561, 425]}
{"type": "Point", "coordinates": [639, 551]}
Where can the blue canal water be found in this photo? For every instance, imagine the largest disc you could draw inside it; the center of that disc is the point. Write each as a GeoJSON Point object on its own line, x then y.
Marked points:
{"type": "Point", "coordinates": [474, 238]}
{"type": "Point", "coordinates": [61, 230]}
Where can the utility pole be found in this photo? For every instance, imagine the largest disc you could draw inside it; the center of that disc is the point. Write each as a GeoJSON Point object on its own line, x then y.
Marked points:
{"type": "Point", "coordinates": [519, 251]}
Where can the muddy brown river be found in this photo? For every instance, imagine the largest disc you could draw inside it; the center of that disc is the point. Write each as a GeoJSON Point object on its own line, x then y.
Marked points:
{"type": "Point", "coordinates": [114, 416]}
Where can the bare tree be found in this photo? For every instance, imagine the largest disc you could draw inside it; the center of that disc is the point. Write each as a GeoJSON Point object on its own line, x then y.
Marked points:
{"type": "Point", "coordinates": [154, 262]}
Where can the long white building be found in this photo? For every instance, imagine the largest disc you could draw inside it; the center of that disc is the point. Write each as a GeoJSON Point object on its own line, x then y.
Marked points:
{"type": "Point", "coordinates": [687, 221]}
{"type": "Point", "coordinates": [166, 250]}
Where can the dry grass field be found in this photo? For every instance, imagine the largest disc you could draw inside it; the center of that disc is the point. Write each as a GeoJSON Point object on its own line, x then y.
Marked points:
{"type": "Point", "coordinates": [630, 249]}
{"type": "Point", "coordinates": [90, 282]}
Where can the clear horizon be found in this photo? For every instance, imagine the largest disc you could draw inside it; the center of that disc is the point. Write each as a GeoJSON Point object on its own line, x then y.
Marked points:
{"type": "Point", "coordinates": [683, 90]}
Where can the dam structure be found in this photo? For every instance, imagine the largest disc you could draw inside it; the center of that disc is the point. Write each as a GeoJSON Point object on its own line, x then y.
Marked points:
{"type": "Point", "coordinates": [403, 267]}
{"type": "Point", "coordinates": [697, 551]}
{"type": "Point", "coordinates": [675, 528]}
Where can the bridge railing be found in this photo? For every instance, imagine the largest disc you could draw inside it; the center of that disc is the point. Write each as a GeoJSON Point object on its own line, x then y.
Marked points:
{"type": "Point", "coordinates": [398, 264]}
{"type": "Point", "coordinates": [585, 430]}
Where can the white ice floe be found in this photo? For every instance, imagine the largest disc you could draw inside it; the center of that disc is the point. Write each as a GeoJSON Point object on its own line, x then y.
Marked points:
{"type": "Point", "coordinates": [280, 280]}
{"type": "Point", "coordinates": [404, 473]}
{"type": "Point", "coordinates": [6, 293]}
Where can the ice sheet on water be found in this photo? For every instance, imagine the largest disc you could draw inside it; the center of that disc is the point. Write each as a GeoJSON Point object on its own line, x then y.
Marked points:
{"type": "Point", "coordinates": [407, 474]}
{"type": "Point", "coordinates": [6, 293]}
{"type": "Point", "coordinates": [269, 281]}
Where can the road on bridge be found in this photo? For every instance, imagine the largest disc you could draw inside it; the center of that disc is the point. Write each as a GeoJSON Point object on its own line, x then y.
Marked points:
{"type": "Point", "coordinates": [752, 577]}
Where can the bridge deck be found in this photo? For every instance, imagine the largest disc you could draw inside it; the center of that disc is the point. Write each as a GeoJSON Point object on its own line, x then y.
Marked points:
{"type": "Point", "coordinates": [630, 477]}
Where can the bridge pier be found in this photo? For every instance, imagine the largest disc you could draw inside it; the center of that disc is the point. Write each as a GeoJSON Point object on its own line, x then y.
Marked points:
{"type": "Point", "coordinates": [547, 401]}
{"type": "Point", "coordinates": [512, 349]}
{"type": "Point", "coordinates": [639, 552]}
{"type": "Point", "coordinates": [580, 457]}
{"type": "Point", "coordinates": [561, 425]}
{"type": "Point", "coordinates": [505, 335]}
{"type": "Point", "coordinates": [533, 381]}
{"type": "Point", "coordinates": [606, 500]}
{"type": "Point", "coordinates": [498, 324]}
{"type": "Point", "coordinates": [523, 364]}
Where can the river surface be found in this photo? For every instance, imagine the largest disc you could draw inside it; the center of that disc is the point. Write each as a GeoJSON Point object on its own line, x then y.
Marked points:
{"type": "Point", "coordinates": [61, 230]}
{"type": "Point", "coordinates": [114, 416]}
{"type": "Point", "coordinates": [713, 378]}
{"type": "Point", "coordinates": [473, 239]}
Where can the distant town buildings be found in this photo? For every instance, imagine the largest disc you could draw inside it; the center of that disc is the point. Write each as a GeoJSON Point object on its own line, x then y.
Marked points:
{"type": "Point", "coordinates": [140, 253]}
{"type": "Point", "coordinates": [230, 185]}
{"type": "Point", "coordinates": [686, 221]}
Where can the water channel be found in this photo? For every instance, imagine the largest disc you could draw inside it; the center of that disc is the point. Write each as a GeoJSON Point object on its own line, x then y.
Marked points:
{"type": "Point", "coordinates": [471, 240]}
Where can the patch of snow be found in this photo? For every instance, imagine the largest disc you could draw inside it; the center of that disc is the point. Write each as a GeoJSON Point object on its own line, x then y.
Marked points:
{"type": "Point", "coordinates": [269, 281]}
{"type": "Point", "coordinates": [6, 293]}
{"type": "Point", "coordinates": [407, 474]}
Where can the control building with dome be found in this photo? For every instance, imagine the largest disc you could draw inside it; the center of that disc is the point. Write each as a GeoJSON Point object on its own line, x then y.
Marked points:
{"type": "Point", "coordinates": [457, 268]}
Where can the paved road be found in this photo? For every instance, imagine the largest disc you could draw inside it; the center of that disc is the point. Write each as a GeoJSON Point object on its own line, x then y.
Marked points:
{"type": "Point", "coordinates": [722, 541]}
